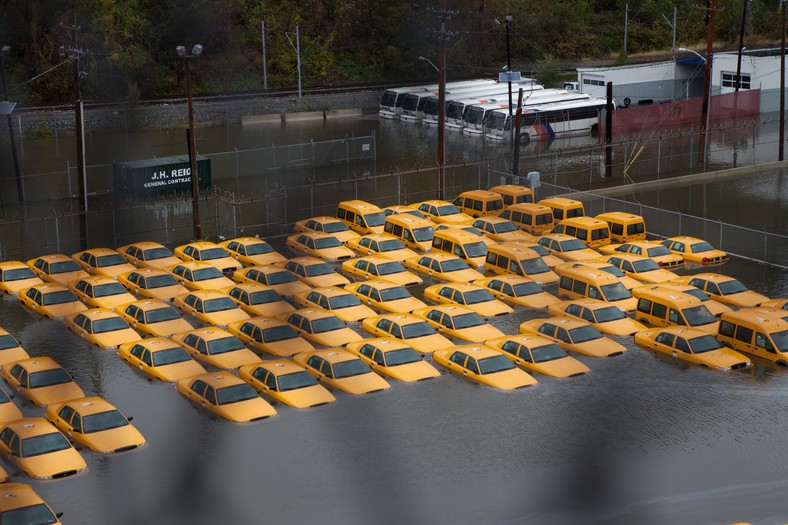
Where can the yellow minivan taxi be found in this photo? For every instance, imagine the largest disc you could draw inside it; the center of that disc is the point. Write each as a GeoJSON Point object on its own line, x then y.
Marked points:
{"type": "Point", "coordinates": [514, 194]}
{"type": "Point", "coordinates": [624, 227]}
{"type": "Point", "coordinates": [594, 233]}
{"type": "Point", "coordinates": [578, 282]}
{"type": "Point", "coordinates": [755, 333]}
{"type": "Point", "coordinates": [563, 208]}
{"type": "Point", "coordinates": [361, 216]}
{"type": "Point", "coordinates": [535, 219]}
{"type": "Point", "coordinates": [460, 243]}
{"type": "Point", "coordinates": [515, 259]}
{"type": "Point", "coordinates": [661, 306]}
{"type": "Point", "coordinates": [415, 233]}
{"type": "Point", "coordinates": [479, 202]}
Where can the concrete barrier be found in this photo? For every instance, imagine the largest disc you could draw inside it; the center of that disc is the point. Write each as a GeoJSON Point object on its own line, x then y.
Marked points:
{"type": "Point", "coordinates": [343, 113]}
{"type": "Point", "coordinates": [270, 118]}
{"type": "Point", "coordinates": [303, 115]}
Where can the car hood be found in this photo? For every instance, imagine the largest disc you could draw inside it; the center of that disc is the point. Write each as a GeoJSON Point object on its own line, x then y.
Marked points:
{"type": "Point", "coordinates": [508, 379]}
{"type": "Point", "coordinates": [361, 384]}
{"type": "Point", "coordinates": [112, 439]}
{"type": "Point", "coordinates": [54, 463]}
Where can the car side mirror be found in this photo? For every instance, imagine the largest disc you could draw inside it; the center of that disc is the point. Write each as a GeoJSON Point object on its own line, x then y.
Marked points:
{"type": "Point", "coordinates": [130, 418]}
{"type": "Point", "coordinates": [59, 515]}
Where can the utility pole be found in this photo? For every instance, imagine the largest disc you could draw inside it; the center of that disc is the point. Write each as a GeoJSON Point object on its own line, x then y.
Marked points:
{"type": "Point", "coordinates": [19, 187]}
{"type": "Point", "coordinates": [508, 20]}
{"type": "Point", "coordinates": [626, 22]}
{"type": "Point", "coordinates": [516, 129]}
{"type": "Point", "coordinates": [704, 117]}
{"type": "Point", "coordinates": [297, 48]}
{"type": "Point", "coordinates": [782, 85]}
{"type": "Point", "coordinates": [265, 67]}
{"type": "Point", "coordinates": [741, 42]}
{"type": "Point", "coordinates": [609, 131]}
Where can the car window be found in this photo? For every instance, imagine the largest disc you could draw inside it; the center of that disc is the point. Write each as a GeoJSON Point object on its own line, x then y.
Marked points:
{"type": "Point", "coordinates": [65, 413]}
{"type": "Point", "coordinates": [76, 423]}
{"type": "Point", "coordinates": [210, 395]}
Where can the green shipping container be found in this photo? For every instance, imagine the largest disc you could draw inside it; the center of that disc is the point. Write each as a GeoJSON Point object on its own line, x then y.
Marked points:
{"type": "Point", "coordinates": [164, 175]}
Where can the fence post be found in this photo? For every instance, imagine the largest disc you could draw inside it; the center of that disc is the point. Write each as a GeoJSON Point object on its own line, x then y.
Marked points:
{"type": "Point", "coordinates": [237, 175]}
{"type": "Point", "coordinates": [720, 220]}
{"type": "Point", "coordinates": [680, 214]}
{"type": "Point", "coordinates": [659, 154]}
{"type": "Point", "coordinates": [57, 234]}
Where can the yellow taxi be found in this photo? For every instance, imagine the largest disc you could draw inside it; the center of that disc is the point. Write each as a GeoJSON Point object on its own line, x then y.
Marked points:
{"type": "Point", "coordinates": [286, 382]}
{"type": "Point", "coordinates": [225, 395]}
{"type": "Point", "coordinates": [483, 365]}
{"type": "Point", "coordinates": [329, 225]}
{"type": "Point", "coordinates": [654, 250]}
{"type": "Point", "coordinates": [443, 267]}
{"type": "Point", "coordinates": [567, 247]}
{"type": "Point", "coordinates": [537, 354]}
{"type": "Point", "coordinates": [691, 346]}
{"type": "Point", "coordinates": [56, 268]}
{"type": "Point", "coordinates": [211, 307]}
{"type": "Point", "coordinates": [8, 412]}
{"type": "Point", "coordinates": [258, 299]}
{"type": "Point", "coordinates": [147, 254]}
{"type": "Point", "coordinates": [549, 259]}
{"type": "Point", "coordinates": [215, 347]}
{"type": "Point", "coordinates": [715, 307]}
{"type": "Point", "coordinates": [321, 327]}
{"type": "Point", "coordinates": [392, 358]}
{"type": "Point", "coordinates": [517, 291]}
{"type": "Point", "coordinates": [605, 317]}
{"type": "Point", "coordinates": [10, 349]}
{"type": "Point", "coordinates": [160, 358]}
{"type": "Point", "coordinates": [385, 296]}
{"type": "Point", "coordinates": [475, 297]}
{"type": "Point", "coordinates": [251, 251]}
{"type": "Point", "coordinates": [152, 317]}
{"type": "Point", "coordinates": [199, 275]}
{"type": "Point", "coordinates": [282, 281]}
{"type": "Point", "coordinates": [628, 282]}
{"type": "Point", "coordinates": [373, 267]}
{"type": "Point", "coordinates": [54, 301]}
{"type": "Point", "coordinates": [101, 327]}
{"type": "Point", "coordinates": [15, 276]}
{"type": "Point", "coordinates": [314, 272]}
{"type": "Point", "coordinates": [342, 370]}
{"type": "Point", "coordinates": [100, 292]}
{"type": "Point", "coordinates": [339, 302]}
{"type": "Point", "coordinates": [152, 284]}
{"type": "Point", "coordinates": [102, 261]}
{"type": "Point", "coordinates": [574, 336]}
{"type": "Point", "coordinates": [470, 229]}
{"type": "Point", "coordinates": [210, 253]}
{"type": "Point", "coordinates": [443, 212]}
{"type": "Point", "coordinates": [403, 208]}
{"type": "Point", "coordinates": [459, 322]}
{"type": "Point", "coordinates": [640, 268]}
{"type": "Point", "coordinates": [95, 423]}
{"type": "Point", "coordinates": [724, 289]}
{"type": "Point", "coordinates": [21, 501]}
{"type": "Point", "coordinates": [695, 250]}
{"type": "Point", "coordinates": [37, 448]}
{"type": "Point", "coordinates": [271, 336]}
{"type": "Point", "coordinates": [774, 304]}
{"type": "Point", "coordinates": [40, 380]}
{"type": "Point", "coordinates": [413, 330]}
{"type": "Point", "coordinates": [382, 244]}
{"type": "Point", "coordinates": [317, 244]}
{"type": "Point", "coordinates": [499, 229]}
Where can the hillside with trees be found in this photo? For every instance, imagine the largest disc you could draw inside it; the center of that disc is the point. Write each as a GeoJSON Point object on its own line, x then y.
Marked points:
{"type": "Point", "coordinates": [127, 47]}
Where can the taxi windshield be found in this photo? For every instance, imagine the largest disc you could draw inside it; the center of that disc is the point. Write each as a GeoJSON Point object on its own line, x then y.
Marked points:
{"type": "Point", "coordinates": [219, 304]}
{"type": "Point", "coordinates": [106, 290]}
{"type": "Point", "coordinates": [402, 356]}
{"type": "Point", "coordinates": [37, 513]}
{"type": "Point", "coordinates": [584, 333]}
{"type": "Point", "coordinates": [656, 251]}
{"type": "Point", "coordinates": [354, 367]}
{"type": "Point", "coordinates": [279, 333]}
{"type": "Point", "coordinates": [156, 253]}
{"type": "Point", "coordinates": [545, 353]}
{"type": "Point", "coordinates": [54, 376]}
{"type": "Point", "coordinates": [295, 380]}
{"type": "Point", "coordinates": [160, 315]}
{"type": "Point", "coordinates": [375, 219]}
{"type": "Point", "coordinates": [572, 245]}
{"type": "Point", "coordinates": [478, 296]}
{"type": "Point", "coordinates": [424, 234]}
{"type": "Point", "coordinates": [505, 227]}
{"type": "Point", "coordinates": [264, 297]}
{"type": "Point", "coordinates": [701, 247]}
{"type": "Point", "coordinates": [6, 342]}
{"type": "Point", "coordinates": [61, 297]}
{"type": "Point", "coordinates": [63, 267]}
{"type": "Point", "coordinates": [453, 265]}
{"type": "Point", "coordinates": [110, 324]}
{"type": "Point", "coordinates": [390, 268]}
{"type": "Point", "coordinates": [111, 260]}
{"type": "Point", "coordinates": [224, 345]}
{"type": "Point", "coordinates": [535, 265]}
{"type": "Point", "coordinates": [258, 248]}
{"type": "Point", "coordinates": [160, 281]}
{"type": "Point", "coordinates": [610, 313]}
{"type": "Point", "coordinates": [17, 274]}
{"type": "Point", "coordinates": [704, 343]}
{"type": "Point", "coordinates": [44, 444]}
{"type": "Point", "coordinates": [522, 289]}
{"type": "Point", "coordinates": [343, 301]}
{"type": "Point", "coordinates": [468, 320]}
{"type": "Point", "coordinates": [781, 340]}
{"type": "Point", "coordinates": [203, 274]}
{"type": "Point", "coordinates": [335, 227]}
{"type": "Point", "coordinates": [390, 245]}
{"type": "Point", "coordinates": [496, 363]}
{"type": "Point", "coordinates": [615, 292]}
{"type": "Point", "coordinates": [476, 249]}
{"type": "Point", "coordinates": [731, 287]}
{"type": "Point", "coordinates": [210, 254]}
{"type": "Point", "coordinates": [394, 294]}
{"type": "Point", "coordinates": [281, 278]}
{"type": "Point", "coordinates": [318, 269]}
{"type": "Point", "coordinates": [103, 421]}
{"type": "Point", "coordinates": [327, 242]}
{"type": "Point", "coordinates": [170, 356]}
{"type": "Point", "coordinates": [327, 324]}
{"type": "Point", "coordinates": [420, 329]}
{"type": "Point", "coordinates": [448, 209]}
{"type": "Point", "coordinates": [235, 394]}
{"type": "Point", "coordinates": [645, 265]}
{"type": "Point", "coordinates": [698, 315]}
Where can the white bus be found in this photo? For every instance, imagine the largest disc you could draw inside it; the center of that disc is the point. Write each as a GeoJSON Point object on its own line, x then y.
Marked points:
{"type": "Point", "coordinates": [456, 109]}
{"type": "Point", "coordinates": [413, 103]}
{"type": "Point", "coordinates": [543, 121]}
{"type": "Point", "coordinates": [472, 122]}
{"type": "Point", "coordinates": [391, 101]}
{"type": "Point", "coordinates": [497, 93]}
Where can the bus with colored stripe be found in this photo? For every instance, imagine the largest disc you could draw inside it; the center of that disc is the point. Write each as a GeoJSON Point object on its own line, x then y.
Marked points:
{"type": "Point", "coordinates": [413, 103]}
{"type": "Point", "coordinates": [392, 99]}
{"type": "Point", "coordinates": [457, 102]}
{"type": "Point", "coordinates": [546, 121]}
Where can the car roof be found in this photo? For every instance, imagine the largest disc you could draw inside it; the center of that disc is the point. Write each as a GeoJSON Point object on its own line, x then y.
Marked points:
{"type": "Point", "coordinates": [219, 379]}
{"type": "Point", "coordinates": [31, 426]}
{"type": "Point", "coordinates": [34, 364]}
{"type": "Point", "coordinates": [278, 367]}
{"type": "Point", "coordinates": [154, 344]}
{"type": "Point", "coordinates": [17, 495]}
{"type": "Point", "coordinates": [89, 405]}
{"type": "Point", "coordinates": [209, 333]}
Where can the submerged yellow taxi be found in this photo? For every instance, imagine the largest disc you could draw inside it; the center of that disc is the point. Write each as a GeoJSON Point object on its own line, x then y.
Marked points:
{"type": "Point", "coordinates": [606, 318]}
{"type": "Point", "coordinates": [374, 267]}
{"type": "Point", "coordinates": [393, 358]}
{"type": "Point", "coordinates": [567, 247]}
{"type": "Point", "coordinates": [20, 500]}
{"type": "Point", "coordinates": [329, 225]}
{"type": "Point", "coordinates": [324, 246]}
{"type": "Point", "coordinates": [251, 251]}
{"type": "Point", "coordinates": [444, 267]}
{"type": "Point", "coordinates": [54, 301]}
{"type": "Point", "coordinates": [724, 289]}
{"type": "Point", "coordinates": [640, 268]}
{"type": "Point", "coordinates": [271, 336]}
{"type": "Point", "coordinates": [199, 275]}
{"type": "Point", "coordinates": [41, 380]}
{"type": "Point", "coordinates": [342, 370]}
{"type": "Point", "coordinates": [152, 284]}
{"type": "Point", "coordinates": [413, 330]}
{"type": "Point", "coordinates": [225, 395]}
{"type": "Point", "coordinates": [148, 255]}
{"type": "Point", "coordinates": [56, 268]}
{"type": "Point", "coordinates": [537, 354]}
{"type": "Point", "coordinates": [574, 336]}
{"type": "Point", "coordinates": [314, 272]}
{"type": "Point", "coordinates": [382, 244]}
{"type": "Point", "coordinates": [154, 318]}
{"type": "Point", "coordinates": [102, 261]}
{"type": "Point", "coordinates": [502, 230]}
{"type": "Point", "coordinates": [517, 291]}
{"type": "Point", "coordinates": [101, 327]}
{"type": "Point", "coordinates": [15, 276]}
{"type": "Point", "coordinates": [694, 250]}
{"type": "Point", "coordinates": [286, 382]}
{"type": "Point", "coordinates": [160, 358]}
{"type": "Point", "coordinates": [339, 302]}
{"type": "Point", "coordinates": [210, 253]}
{"type": "Point", "coordinates": [385, 296]}
{"type": "Point", "coordinates": [100, 292]}
{"type": "Point", "coordinates": [95, 423]}
{"type": "Point", "coordinates": [484, 365]}
{"type": "Point", "coordinates": [459, 322]}
{"type": "Point", "coordinates": [691, 346]}
{"type": "Point", "coordinates": [258, 299]}
{"type": "Point", "coordinates": [654, 250]}
{"type": "Point", "coordinates": [321, 327]}
{"type": "Point", "coordinates": [10, 349]}
{"type": "Point", "coordinates": [215, 347]}
{"type": "Point", "coordinates": [34, 446]}
{"type": "Point", "coordinates": [282, 281]}
{"type": "Point", "coordinates": [210, 307]}
{"type": "Point", "coordinates": [475, 297]}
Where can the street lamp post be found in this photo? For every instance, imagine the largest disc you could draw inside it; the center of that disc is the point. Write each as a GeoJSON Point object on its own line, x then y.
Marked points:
{"type": "Point", "coordinates": [508, 21]}
{"type": "Point", "coordinates": [441, 120]}
{"type": "Point", "coordinates": [183, 55]}
{"type": "Point", "coordinates": [19, 188]}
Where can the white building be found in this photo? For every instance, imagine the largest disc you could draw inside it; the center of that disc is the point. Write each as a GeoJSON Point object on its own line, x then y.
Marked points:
{"type": "Point", "coordinates": [682, 79]}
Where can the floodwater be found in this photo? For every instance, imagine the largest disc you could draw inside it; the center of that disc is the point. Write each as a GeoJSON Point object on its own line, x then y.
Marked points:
{"type": "Point", "coordinates": [638, 440]}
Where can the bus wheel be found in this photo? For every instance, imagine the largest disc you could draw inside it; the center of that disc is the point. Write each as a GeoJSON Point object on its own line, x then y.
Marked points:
{"type": "Point", "coordinates": [525, 138]}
